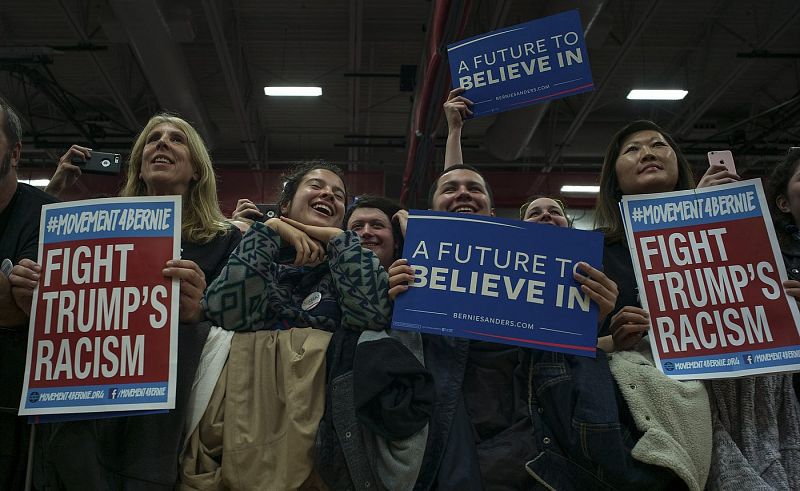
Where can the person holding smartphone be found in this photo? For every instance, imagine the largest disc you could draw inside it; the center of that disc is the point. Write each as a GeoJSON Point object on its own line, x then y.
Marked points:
{"type": "Point", "coordinates": [751, 417]}
{"type": "Point", "coordinates": [168, 157]}
{"type": "Point", "coordinates": [721, 170]}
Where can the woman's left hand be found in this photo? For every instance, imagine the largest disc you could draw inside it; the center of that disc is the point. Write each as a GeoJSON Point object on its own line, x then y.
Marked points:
{"type": "Point", "coordinates": [792, 288]}
{"type": "Point", "coordinates": [193, 284]}
{"type": "Point", "coordinates": [599, 287]}
{"type": "Point", "coordinates": [321, 234]}
{"type": "Point", "coordinates": [717, 174]}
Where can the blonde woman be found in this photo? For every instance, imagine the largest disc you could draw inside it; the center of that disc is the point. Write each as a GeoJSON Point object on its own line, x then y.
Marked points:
{"type": "Point", "coordinates": [168, 158]}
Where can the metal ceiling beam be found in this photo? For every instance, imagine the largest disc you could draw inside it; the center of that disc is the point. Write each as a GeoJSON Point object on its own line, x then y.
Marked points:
{"type": "Point", "coordinates": [122, 105]}
{"type": "Point", "coordinates": [686, 120]}
{"type": "Point", "coordinates": [594, 96]}
{"type": "Point", "coordinates": [511, 131]}
{"type": "Point", "coordinates": [728, 129]}
{"type": "Point", "coordinates": [163, 62]}
{"type": "Point", "coordinates": [446, 23]}
{"type": "Point", "coordinates": [55, 94]}
{"type": "Point", "coordinates": [355, 37]}
{"type": "Point", "coordinates": [251, 137]}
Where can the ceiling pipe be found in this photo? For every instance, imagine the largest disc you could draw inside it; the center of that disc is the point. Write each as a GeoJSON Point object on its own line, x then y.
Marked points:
{"type": "Point", "coordinates": [122, 105]}
{"type": "Point", "coordinates": [163, 62]}
{"type": "Point", "coordinates": [685, 121]}
{"type": "Point", "coordinates": [250, 137]}
{"type": "Point", "coordinates": [511, 131]}
{"type": "Point", "coordinates": [427, 101]}
{"type": "Point", "coordinates": [355, 47]}
{"type": "Point", "coordinates": [594, 96]}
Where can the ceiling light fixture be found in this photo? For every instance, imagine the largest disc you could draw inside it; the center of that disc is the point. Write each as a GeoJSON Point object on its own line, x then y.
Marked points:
{"type": "Point", "coordinates": [293, 91]}
{"type": "Point", "coordinates": [38, 183]}
{"type": "Point", "coordinates": [571, 188]}
{"type": "Point", "coordinates": [657, 95]}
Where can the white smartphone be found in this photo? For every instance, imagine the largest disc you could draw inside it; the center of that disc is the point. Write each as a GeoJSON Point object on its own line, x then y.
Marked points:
{"type": "Point", "coordinates": [724, 157]}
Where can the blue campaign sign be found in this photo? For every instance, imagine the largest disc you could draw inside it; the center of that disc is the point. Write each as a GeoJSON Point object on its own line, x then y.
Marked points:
{"type": "Point", "coordinates": [499, 280]}
{"type": "Point", "coordinates": [522, 65]}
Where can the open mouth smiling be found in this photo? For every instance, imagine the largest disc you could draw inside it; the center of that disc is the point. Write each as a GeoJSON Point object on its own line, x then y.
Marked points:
{"type": "Point", "coordinates": [161, 159]}
{"type": "Point", "coordinates": [323, 209]}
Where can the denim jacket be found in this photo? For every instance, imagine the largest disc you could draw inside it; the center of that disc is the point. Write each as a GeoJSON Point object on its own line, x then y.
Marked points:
{"type": "Point", "coordinates": [582, 429]}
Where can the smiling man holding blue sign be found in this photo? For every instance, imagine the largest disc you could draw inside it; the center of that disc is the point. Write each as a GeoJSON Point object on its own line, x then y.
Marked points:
{"type": "Point", "coordinates": [506, 416]}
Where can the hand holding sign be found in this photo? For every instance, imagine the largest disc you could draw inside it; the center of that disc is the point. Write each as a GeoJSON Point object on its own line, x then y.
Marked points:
{"type": "Point", "coordinates": [599, 287]}
{"type": "Point", "coordinates": [24, 278]}
{"type": "Point", "coordinates": [193, 284]}
{"type": "Point", "coordinates": [400, 277]}
{"type": "Point", "coordinates": [628, 326]}
{"type": "Point", "coordinates": [792, 288]}
{"type": "Point", "coordinates": [457, 108]}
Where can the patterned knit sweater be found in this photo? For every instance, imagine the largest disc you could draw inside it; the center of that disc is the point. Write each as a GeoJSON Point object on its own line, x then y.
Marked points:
{"type": "Point", "coordinates": [254, 292]}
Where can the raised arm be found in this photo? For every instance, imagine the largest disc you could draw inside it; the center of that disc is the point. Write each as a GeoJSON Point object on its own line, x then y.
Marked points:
{"type": "Point", "coordinates": [456, 110]}
{"type": "Point", "coordinates": [67, 173]}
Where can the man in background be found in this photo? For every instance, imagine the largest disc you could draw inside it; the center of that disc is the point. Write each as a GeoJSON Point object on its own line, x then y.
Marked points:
{"type": "Point", "coordinates": [20, 206]}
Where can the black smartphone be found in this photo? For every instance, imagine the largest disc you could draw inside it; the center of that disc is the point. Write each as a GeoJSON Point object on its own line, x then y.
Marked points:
{"type": "Point", "coordinates": [268, 210]}
{"type": "Point", "coordinates": [99, 163]}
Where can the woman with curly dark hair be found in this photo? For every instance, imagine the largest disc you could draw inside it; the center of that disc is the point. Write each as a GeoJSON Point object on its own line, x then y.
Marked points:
{"type": "Point", "coordinates": [783, 196]}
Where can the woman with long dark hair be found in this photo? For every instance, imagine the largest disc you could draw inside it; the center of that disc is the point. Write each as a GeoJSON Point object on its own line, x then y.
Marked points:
{"type": "Point", "coordinates": [751, 417]}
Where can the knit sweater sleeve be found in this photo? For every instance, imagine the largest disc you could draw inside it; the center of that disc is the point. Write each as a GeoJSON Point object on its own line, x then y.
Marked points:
{"type": "Point", "coordinates": [237, 300]}
{"type": "Point", "coordinates": [361, 283]}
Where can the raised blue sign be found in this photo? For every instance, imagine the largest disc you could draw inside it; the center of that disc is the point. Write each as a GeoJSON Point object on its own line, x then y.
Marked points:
{"type": "Point", "coordinates": [499, 280]}
{"type": "Point", "coordinates": [526, 64]}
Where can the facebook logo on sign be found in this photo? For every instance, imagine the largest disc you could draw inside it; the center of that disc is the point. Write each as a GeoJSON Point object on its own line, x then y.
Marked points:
{"type": "Point", "coordinates": [112, 394]}
{"type": "Point", "coordinates": [748, 359]}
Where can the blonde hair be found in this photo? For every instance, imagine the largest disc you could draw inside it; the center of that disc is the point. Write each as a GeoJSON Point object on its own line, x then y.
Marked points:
{"type": "Point", "coordinates": [201, 216]}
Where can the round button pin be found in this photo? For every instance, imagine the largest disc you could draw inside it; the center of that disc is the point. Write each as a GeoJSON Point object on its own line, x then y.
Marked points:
{"type": "Point", "coordinates": [311, 301]}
